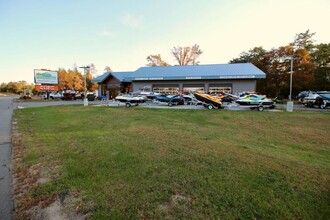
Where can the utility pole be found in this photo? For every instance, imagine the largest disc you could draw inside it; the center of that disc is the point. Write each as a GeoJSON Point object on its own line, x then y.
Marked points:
{"type": "Point", "coordinates": [85, 85]}
{"type": "Point", "coordinates": [289, 106]}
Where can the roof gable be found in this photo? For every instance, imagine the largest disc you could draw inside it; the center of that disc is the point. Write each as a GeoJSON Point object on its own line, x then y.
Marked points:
{"type": "Point", "coordinates": [118, 75]}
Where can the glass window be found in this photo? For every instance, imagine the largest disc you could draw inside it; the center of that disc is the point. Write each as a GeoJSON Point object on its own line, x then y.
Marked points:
{"type": "Point", "coordinates": [218, 90]}
{"type": "Point", "coordinates": [187, 90]}
{"type": "Point", "coordinates": [170, 90]}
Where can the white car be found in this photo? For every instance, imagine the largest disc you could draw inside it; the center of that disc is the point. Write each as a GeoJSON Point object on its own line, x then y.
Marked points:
{"type": "Point", "coordinates": [53, 95]}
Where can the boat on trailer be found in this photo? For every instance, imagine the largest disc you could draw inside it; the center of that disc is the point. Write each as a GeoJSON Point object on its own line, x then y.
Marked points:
{"type": "Point", "coordinates": [253, 101]}
{"type": "Point", "coordinates": [129, 99]}
{"type": "Point", "coordinates": [208, 101]}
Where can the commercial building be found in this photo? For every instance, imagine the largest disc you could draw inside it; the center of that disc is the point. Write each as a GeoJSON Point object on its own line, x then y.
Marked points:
{"type": "Point", "coordinates": [213, 78]}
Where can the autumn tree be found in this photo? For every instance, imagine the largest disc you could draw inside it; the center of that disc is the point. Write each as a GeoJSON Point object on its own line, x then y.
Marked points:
{"type": "Point", "coordinates": [310, 70]}
{"type": "Point", "coordinates": [183, 55]}
{"type": "Point", "coordinates": [187, 55]}
{"type": "Point", "coordinates": [321, 59]}
{"type": "Point", "coordinates": [62, 74]}
{"type": "Point", "coordinates": [16, 87]}
{"type": "Point", "coordinates": [156, 60]}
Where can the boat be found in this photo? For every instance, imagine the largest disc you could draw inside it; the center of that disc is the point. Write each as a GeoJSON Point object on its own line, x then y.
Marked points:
{"type": "Point", "coordinates": [319, 98]}
{"type": "Point", "coordinates": [323, 100]}
{"type": "Point", "coordinates": [130, 99]}
{"type": "Point", "coordinates": [170, 99]}
{"type": "Point", "coordinates": [254, 101]}
{"type": "Point", "coordinates": [208, 101]}
{"type": "Point", "coordinates": [146, 91]}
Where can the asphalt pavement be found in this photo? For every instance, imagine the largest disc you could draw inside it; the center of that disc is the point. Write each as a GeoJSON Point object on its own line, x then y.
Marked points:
{"type": "Point", "coordinates": [6, 198]}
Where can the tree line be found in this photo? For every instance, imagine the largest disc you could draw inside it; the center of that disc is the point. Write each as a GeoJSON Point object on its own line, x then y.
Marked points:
{"type": "Point", "coordinates": [311, 67]}
{"type": "Point", "coordinates": [70, 79]}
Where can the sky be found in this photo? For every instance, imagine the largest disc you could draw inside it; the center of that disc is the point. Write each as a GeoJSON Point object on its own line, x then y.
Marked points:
{"type": "Point", "coordinates": [55, 34]}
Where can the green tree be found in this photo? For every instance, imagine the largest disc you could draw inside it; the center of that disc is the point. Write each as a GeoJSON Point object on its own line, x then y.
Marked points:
{"type": "Point", "coordinates": [321, 59]}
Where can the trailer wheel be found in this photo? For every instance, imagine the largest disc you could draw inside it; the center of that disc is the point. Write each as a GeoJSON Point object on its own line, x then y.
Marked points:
{"type": "Point", "coordinates": [210, 107]}
{"type": "Point", "coordinates": [128, 104]}
{"type": "Point", "coordinates": [260, 108]}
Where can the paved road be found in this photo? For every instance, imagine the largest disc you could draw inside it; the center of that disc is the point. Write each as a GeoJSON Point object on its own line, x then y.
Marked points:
{"type": "Point", "coordinates": [6, 201]}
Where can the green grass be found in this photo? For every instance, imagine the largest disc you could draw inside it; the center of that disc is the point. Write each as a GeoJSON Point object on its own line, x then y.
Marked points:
{"type": "Point", "coordinates": [135, 163]}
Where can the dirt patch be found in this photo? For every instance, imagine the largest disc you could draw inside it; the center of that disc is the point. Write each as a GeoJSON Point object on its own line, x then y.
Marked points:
{"type": "Point", "coordinates": [26, 179]}
{"type": "Point", "coordinates": [177, 202]}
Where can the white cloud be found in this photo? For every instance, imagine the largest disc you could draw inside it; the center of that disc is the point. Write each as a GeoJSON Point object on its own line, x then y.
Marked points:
{"type": "Point", "coordinates": [132, 21]}
{"type": "Point", "coordinates": [106, 33]}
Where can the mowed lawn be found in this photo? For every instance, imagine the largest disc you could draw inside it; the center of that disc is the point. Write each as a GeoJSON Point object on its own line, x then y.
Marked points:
{"type": "Point", "coordinates": [137, 163]}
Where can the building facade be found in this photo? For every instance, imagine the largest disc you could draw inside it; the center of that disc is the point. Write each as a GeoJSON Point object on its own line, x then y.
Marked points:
{"type": "Point", "coordinates": [214, 79]}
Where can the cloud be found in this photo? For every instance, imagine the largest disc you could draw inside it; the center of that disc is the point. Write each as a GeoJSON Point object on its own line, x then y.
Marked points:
{"type": "Point", "coordinates": [132, 21]}
{"type": "Point", "coordinates": [106, 33]}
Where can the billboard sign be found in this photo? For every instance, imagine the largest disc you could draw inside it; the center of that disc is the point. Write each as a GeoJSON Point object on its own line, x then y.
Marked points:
{"type": "Point", "coordinates": [45, 77]}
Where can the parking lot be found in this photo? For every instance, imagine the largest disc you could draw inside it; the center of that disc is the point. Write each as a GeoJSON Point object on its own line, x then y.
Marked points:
{"type": "Point", "coordinates": [150, 104]}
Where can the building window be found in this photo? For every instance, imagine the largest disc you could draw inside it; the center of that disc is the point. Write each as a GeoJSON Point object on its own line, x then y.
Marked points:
{"type": "Point", "coordinates": [220, 89]}
{"type": "Point", "coordinates": [164, 90]}
{"type": "Point", "coordinates": [187, 90]}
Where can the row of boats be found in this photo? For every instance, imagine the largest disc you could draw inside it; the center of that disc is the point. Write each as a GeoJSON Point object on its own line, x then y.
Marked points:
{"type": "Point", "coordinates": [247, 99]}
{"type": "Point", "coordinates": [318, 98]}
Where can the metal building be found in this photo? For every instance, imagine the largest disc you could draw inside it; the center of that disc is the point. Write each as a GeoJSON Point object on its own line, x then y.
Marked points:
{"type": "Point", "coordinates": [214, 78]}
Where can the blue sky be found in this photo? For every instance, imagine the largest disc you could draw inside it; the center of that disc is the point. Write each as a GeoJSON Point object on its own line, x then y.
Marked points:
{"type": "Point", "coordinates": [122, 33]}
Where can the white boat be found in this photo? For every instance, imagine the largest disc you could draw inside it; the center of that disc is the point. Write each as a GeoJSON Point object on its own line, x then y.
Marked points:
{"type": "Point", "coordinates": [129, 99]}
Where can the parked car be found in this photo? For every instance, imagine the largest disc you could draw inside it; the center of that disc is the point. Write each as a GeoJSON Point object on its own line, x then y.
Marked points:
{"type": "Point", "coordinates": [69, 95]}
{"type": "Point", "coordinates": [55, 95]}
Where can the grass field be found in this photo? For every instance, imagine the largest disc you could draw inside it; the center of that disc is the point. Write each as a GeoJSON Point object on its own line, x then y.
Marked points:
{"type": "Point", "coordinates": [136, 163]}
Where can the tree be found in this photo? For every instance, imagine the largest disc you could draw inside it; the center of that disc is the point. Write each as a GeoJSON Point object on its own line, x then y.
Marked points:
{"type": "Point", "coordinates": [187, 55]}
{"type": "Point", "coordinates": [261, 59]}
{"type": "Point", "coordinates": [304, 40]}
{"type": "Point", "coordinates": [62, 79]}
{"type": "Point", "coordinates": [321, 58]}
{"type": "Point", "coordinates": [156, 60]}
{"type": "Point", "coordinates": [310, 71]}
{"type": "Point", "coordinates": [3, 87]}
{"type": "Point", "coordinates": [183, 55]}
{"type": "Point", "coordinates": [107, 69]}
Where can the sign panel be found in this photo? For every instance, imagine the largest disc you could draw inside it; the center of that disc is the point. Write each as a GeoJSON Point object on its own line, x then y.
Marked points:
{"type": "Point", "coordinates": [45, 77]}
{"type": "Point", "coordinates": [44, 88]}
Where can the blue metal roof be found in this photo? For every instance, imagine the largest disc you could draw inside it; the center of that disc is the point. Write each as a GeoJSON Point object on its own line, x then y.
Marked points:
{"type": "Point", "coordinates": [99, 79]}
{"type": "Point", "coordinates": [211, 71]}
{"type": "Point", "coordinates": [119, 75]}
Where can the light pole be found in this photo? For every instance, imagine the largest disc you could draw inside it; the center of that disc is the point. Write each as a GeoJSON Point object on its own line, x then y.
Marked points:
{"type": "Point", "coordinates": [289, 106]}
{"type": "Point", "coordinates": [85, 86]}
